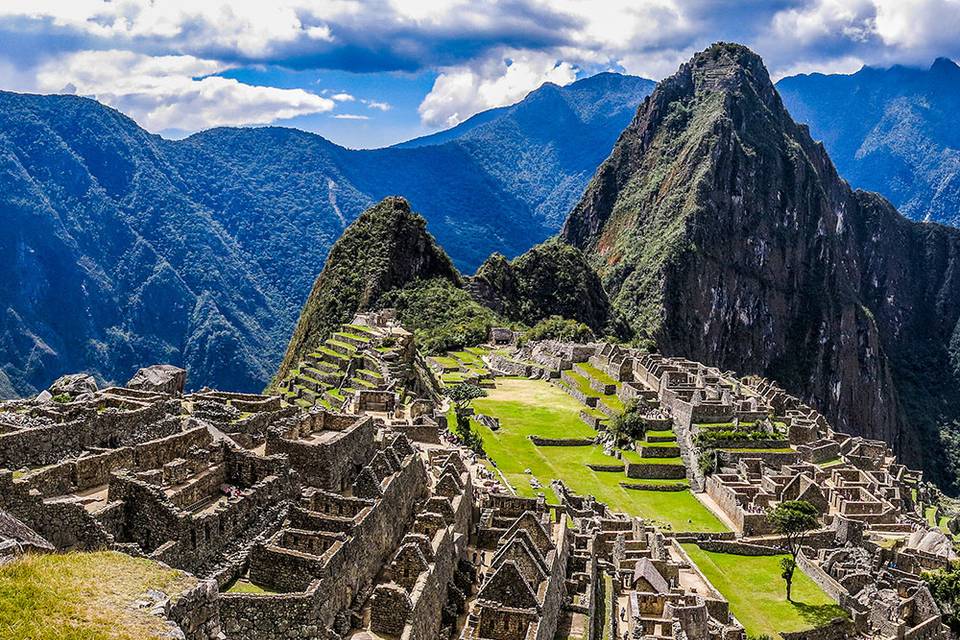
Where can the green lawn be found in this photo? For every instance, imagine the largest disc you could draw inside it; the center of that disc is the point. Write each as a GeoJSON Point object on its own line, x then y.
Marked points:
{"type": "Point", "coordinates": [535, 407]}
{"type": "Point", "coordinates": [757, 596]}
{"type": "Point", "coordinates": [83, 596]}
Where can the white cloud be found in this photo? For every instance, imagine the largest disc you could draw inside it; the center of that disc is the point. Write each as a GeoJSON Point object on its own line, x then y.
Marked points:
{"type": "Point", "coordinates": [350, 116]}
{"type": "Point", "coordinates": [487, 53]}
{"type": "Point", "coordinates": [173, 92]}
{"type": "Point", "coordinates": [375, 104]}
{"type": "Point", "coordinates": [460, 92]}
{"type": "Point", "coordinates": [342, 97]}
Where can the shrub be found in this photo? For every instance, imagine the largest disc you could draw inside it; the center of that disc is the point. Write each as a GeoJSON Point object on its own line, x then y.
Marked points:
{"type": "Point", "coordinates": [442, 316]}
{"type": "Point", "coordinates": [557, 328]}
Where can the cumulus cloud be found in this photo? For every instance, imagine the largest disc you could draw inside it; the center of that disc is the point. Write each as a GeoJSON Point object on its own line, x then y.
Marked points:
{"type": "Point", "coordinates": [459, 93]}
{"type": "Point", "coordinates": [486, 52]}
{"type": "Point", "coordinates": [173, 92]}
{"type": "Point", "coordinates": [342, 97]}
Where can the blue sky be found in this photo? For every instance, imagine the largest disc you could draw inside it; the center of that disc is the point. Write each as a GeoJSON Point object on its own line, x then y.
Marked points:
{"type": "Point", "coordinates": [368, 73]}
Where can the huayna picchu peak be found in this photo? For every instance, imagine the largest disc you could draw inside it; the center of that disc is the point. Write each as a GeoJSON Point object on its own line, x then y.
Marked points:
{"type": "Point", "coordinates": [722, 232]}
{"type": "Point", "coordinates": [722, 403]}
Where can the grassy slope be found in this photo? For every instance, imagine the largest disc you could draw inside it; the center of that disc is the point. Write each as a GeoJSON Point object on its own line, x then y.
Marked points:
{"type": "Point", "coordinates": [82, 596]}
{"type": "Point", "coordinates": [534, 407]}
{"type": "Point", "coordinates": [756, 592]}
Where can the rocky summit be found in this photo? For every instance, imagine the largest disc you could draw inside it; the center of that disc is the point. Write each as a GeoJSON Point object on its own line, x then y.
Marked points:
{"type": "Point", "coordinates": [723, 233]}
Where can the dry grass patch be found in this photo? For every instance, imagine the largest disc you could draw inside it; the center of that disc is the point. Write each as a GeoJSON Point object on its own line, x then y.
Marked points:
{"type": "Point", "coordinates": [83, 596]}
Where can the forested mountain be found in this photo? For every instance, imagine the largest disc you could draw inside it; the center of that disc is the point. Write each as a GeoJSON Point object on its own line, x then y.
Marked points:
{"type": "Point", "coordinates": [122, 249]}
{"type": "Point", "coordinates": [894, 131]}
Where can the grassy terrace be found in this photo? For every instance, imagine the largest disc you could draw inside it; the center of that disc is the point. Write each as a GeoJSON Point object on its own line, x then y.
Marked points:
{"type": "Point", "coordinates": [534, 407]}
{"type": "Point", "coordinates": [83, 596]}
{"type": "Point", "coordinates": [757, 594]}
{"type": "Point", "coordinates": [597, 374]}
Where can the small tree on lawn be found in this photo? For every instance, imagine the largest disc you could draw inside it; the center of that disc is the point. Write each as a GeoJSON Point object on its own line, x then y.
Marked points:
{"type": "Point", "coordinates": [792, 519]}
{"type": "Point", "coordinates": [463, 395]}
{"type": "Point", "coordinates": [627, 426]}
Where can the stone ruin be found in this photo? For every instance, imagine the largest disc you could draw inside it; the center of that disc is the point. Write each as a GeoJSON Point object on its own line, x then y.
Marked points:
{"type": "Point", "coordinates": [340, 510]}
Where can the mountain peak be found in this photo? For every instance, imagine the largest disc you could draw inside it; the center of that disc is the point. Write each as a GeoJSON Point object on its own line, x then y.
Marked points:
{"type": "Point", "coordinates": [944, 65]}
{"type": "Point", "coordinates": [386, 248]}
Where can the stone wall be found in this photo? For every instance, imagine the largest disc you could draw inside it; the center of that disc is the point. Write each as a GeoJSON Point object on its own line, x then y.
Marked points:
{"type": "Point", "coordinates": [655, 471]}
{"type": "Point", "coordinates": [427, 433]}
{"type": "Point", "coordinates": [346, 571]}
{"type": "Point", "coordinates": [196, 612]}
{"type": "Point", "coordinates": [330, 464]}
{"type": "Point", "coordinates": [66, 525]}
{"type": "Point", "coordinates": [560, 442]}
{"type": "Point", "coordinates": [89, 428]}
{"type": "Point", "coordinates": [289, 616]}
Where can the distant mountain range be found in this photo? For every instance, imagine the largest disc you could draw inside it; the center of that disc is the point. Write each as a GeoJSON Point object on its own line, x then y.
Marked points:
{"type": "Point", "coordinates": [122, 249]}
{"type": "Point", "coordinates": [894, 131]}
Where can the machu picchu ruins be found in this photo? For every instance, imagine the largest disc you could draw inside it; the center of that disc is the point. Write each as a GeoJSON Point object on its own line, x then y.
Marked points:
{"type": "Point", "coordinates": [350, 505]}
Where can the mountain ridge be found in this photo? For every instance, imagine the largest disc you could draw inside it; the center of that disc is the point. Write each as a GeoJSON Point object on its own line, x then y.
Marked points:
{"type": "Point", "coordinates": [201, 251]}
{"type": "Point", "coordinates": [890, 130]}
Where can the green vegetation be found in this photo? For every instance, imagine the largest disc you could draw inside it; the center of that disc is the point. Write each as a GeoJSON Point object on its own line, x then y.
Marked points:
{"type": "Point", "coordinates": [553, 280]}
{"type": "Point", "coordinates": [557, 328]}
{"type": "Point", "coordinates": [945, 588]}
{"type": "Point", "coordinates": [534, 407]}
{"type": "Point", "coordinates": [597, 374]}
{"type": "Point", "coordinates": [443, 316]}
{"type": "Point", "coordinates": [385, 249]}
{"type": "Point", "coordinates": [754, 588]}
{"type": "Point", "coordinates": [607, 606]}
{"type": "Point", "coordinates": [245, 586]}
{"type": "Point", "coordinates": [83, 596]}
{"type": "Point", "coordinates": [792, 519]}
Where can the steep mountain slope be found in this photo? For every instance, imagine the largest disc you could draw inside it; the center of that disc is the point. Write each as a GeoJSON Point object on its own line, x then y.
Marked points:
{"type": "Point", "coordinates": [123, 249]}
{"type": "Point", "coordinates": [723, 233]}
{"type": "Point", "coordinates": [385, 249]}
{"type": "Point", "coordinates": [105, 265]}
{"type": "Point", "coordinates": [893, 131]}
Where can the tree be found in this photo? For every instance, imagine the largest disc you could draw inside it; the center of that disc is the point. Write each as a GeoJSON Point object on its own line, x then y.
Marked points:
{"type": "Point", "coordinates": [628, 426]}
{"type": "Point", "coordinates": [944, 585]}
{"type": "Point", "coordinates": [792, 519]}
{"type": "Point", "coordinates": [462, 395]}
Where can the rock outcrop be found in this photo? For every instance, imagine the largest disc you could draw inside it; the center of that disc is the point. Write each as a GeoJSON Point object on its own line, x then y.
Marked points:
{"type": "Point", "coordinates": [159, 378]}
{"type": "Point", "coordinates": [723, 233]}
{"type": "Point", "coordinates": [74, 385]}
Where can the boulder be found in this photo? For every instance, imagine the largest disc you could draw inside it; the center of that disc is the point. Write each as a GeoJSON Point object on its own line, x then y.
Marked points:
{"type": "Point", "coordinates": [74, 384]}
{"type": "Point", "coordinates": [159, 378]}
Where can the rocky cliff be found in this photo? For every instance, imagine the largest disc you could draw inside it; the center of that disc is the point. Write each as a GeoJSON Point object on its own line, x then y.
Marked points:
{"type": "Point", "coordinates": [723, 233]}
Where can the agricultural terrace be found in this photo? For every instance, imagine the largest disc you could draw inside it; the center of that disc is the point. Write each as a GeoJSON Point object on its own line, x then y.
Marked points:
{"type": "Point", "coordinates": [536, 407]}
{"type": "Point", "coordinates": [756, 592]}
